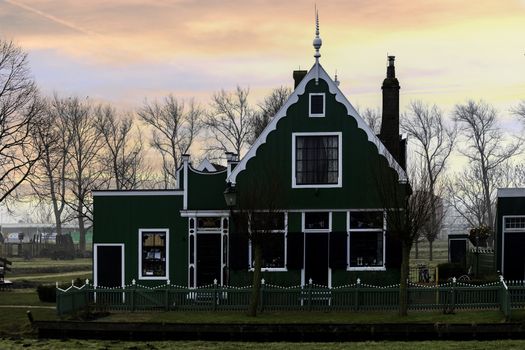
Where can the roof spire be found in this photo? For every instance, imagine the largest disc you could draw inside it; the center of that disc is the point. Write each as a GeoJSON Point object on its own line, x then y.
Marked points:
{"type": "Point", "coordinates": [317, 44]}
{"type": "Point", "coordinates": [317, 40]}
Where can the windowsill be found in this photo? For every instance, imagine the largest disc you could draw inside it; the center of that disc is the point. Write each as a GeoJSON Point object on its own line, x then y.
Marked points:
{"type": "Point", "coordinates": [366, 268]}
{"type": "Point", "coordinates": [294, 185]}
{"type": "Point", "coordinates": [320, 115]}
{"type": "Point", "coordinates": [317, 230]}
{"type": "Point", "coordinates": [272, 269]}
{"type": "Point", "coordinates": [153, 278]}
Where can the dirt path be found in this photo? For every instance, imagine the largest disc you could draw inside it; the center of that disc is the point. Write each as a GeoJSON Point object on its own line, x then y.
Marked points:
{"type": "Point", "coordinates": [51, 275]}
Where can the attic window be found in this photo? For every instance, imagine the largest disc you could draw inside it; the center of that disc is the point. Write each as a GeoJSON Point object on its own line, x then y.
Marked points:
{"type": "Point", "coordinates": [317, 105]}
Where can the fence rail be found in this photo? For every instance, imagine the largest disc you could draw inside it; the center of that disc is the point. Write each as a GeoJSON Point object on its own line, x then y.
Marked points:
{"type": "Point", "coordinates": [355, 297]}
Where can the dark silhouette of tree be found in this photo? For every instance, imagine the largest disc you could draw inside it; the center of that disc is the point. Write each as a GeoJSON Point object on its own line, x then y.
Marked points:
{"type": "Point", "coordinates": [229, 122]}
{"type": "Point", "coordinates": [268, 108]}
{"type": "Point", "coordinates": [20, 110]}
{"type": "Point", "coordinates": [175, 127]}
{"type": "Point", "coordinates": [84, 172]}
{"type": "Point", "coordinates": [434, 142]}
{"type": "Point", "coordinates": [408, 208]}
{"type": "Point", "coordinates": [487, 149]}
{"type": "Point", "coordinates": [260, 203]}
{"type": "Point", "coordinates": [50, 173]}
{"type": "Point", "coordinates": [123, 153]}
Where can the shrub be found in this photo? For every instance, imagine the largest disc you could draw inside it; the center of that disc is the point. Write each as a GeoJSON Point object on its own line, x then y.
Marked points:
{"type": "Point", "coordinates": [449, 270]}
{"type": "Point", "coordinates": [46, 293]}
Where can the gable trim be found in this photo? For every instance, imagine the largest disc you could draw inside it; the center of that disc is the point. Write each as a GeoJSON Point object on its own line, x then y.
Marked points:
{"type": "Point", "coordinates": [317, 69]}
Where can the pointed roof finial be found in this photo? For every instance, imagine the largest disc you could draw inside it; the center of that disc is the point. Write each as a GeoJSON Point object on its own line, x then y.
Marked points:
{"type": "Point", "coordinates": [317, 40]}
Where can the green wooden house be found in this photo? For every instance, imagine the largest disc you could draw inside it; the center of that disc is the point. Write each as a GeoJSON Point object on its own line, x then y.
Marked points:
{"type": "Point", "coordinates": [328, 167]}
{"type": "Point", "coordinates": [510, 233]}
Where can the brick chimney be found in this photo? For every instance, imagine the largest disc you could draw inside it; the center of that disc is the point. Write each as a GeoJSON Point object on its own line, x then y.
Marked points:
{"type": "Point", "coordinates": [389, 134]}
{"type": "Point", "coordinates": [298, 76]}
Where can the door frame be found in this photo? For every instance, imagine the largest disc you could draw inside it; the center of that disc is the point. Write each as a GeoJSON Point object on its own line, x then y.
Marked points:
{"type": "Point", "coordinates": [305, 233]}
{"type": "Point", "coordinates": [95, 260]}
{"type": "Point", "coordinates": [303, 270]}
{"type": "Point", "coordinates": [193, 231]}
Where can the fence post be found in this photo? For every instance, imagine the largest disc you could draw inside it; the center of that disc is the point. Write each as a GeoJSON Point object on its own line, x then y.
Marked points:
{"type": "Point", "coordinates": [505, 299]}
{"type": "Point", "coordinates": [310, 294]}
{"type": "Point", "coordinates": [73, 295]}
{"type": "Point", "coordinates": [58, 299]}
{"type": "Point", "coordinates": [452, 303]}
{"type": "Point", "coordinates": [215, 295]}
{"type": "Point", "coordinates": [262, 295]}
{"type": "Point", "coordinates": [356, 294]}
{"type": "Point", "coordinates": [167, 296]}
{"type": "Point", "coordinates": [133, 287]}
{"type": "Point", "coordinates": [85, 289]}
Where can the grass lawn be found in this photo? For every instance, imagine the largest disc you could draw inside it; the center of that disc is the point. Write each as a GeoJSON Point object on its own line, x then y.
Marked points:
{"type": "Point", "coordinates": [21, 297]}
{"type": "Point", "coordinates": [45, 344]}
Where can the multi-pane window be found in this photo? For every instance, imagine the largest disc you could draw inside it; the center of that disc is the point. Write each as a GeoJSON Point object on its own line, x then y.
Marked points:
{"type": "Point", "coordinates": [317, 160]}
{"type": "Point", "coordinates": [366, 239]}
{"type": "Point", "coordinates": [273, 244]}
{"type": "Point", "coordinates": [153, 254]}
{"type": "Point", "coordinates": [515, 223]}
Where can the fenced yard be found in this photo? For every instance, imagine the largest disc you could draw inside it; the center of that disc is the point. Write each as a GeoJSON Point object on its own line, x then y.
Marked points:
{"type": "Point", "coordinates": [355, 297]}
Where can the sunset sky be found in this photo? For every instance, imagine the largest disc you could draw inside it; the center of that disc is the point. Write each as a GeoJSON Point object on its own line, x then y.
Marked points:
{"type": "Point", "coordinates": [123, 51]}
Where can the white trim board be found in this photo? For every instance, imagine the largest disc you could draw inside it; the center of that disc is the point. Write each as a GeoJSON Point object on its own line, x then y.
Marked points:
{"type": "Point", "coordinates": [137, 193]}
{"type": "Point", "coordinates": [511, 192]}
{"type": "Point", "coordinates": [95, 260]}
{"type": "Point", "coordinates": [340, 97]}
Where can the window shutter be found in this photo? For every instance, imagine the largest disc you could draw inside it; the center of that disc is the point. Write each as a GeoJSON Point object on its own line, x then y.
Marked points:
{"type": "Point", "coordinates": [338, 250]}
{"type": "Point", "coordinates": [238, 251]}
{"type": "Point", "coordinates": [295, 250]}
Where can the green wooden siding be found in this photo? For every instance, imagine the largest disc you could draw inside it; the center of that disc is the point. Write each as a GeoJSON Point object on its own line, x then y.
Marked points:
{"type": "Point", "coordinates": [117, 219]}
{"type": "Point", "coordinates": [362, 166]}
{"type": "Point", "coordinates": [205, 191]}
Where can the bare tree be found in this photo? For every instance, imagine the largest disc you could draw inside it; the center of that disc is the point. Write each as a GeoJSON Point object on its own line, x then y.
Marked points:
{"type": "Point", "coordinates": [487, 149]}
{"type": "Point", "coordinates": [230, 121]}
{"type": "Point", "coordinates": [259, 211]}
{"type": "Point", "coordinates": [408, 208]}
{"type": "Point", "coordinates": [49, 177]}
{"type": "Point", "coordinates": [373, 118]}
{"type": "Point", "coordinates": [123, 155]}
{"type": "Point", "coordinates": [175, 128]}
{"type": "Point", "coordinates": [520, 110]}
{"type": "Point", "coordinates": [84, 171]}
{"type": "Point", "coordinates": [268, 108]}
{"type": "Point", "coordinates": [434, 144]}
{"type": "Point", "coordinates": [19, 114]}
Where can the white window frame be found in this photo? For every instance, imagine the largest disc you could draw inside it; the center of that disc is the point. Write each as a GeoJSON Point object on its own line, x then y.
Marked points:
{"type": "Point", "coordinates": [350, 230]}
{"type": "Point", "coordinates": [503, 230]}
{"type": "Point", "coordinates": [316, 115]}
{"type": "Point", "coordinates": [339, 160]}
{"type": "Point", "coordinates": [303, 222]}
{"type": "Point", "coordinates": [155, 230]}
{"type": "Point", "coordinates": [273, 269]}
